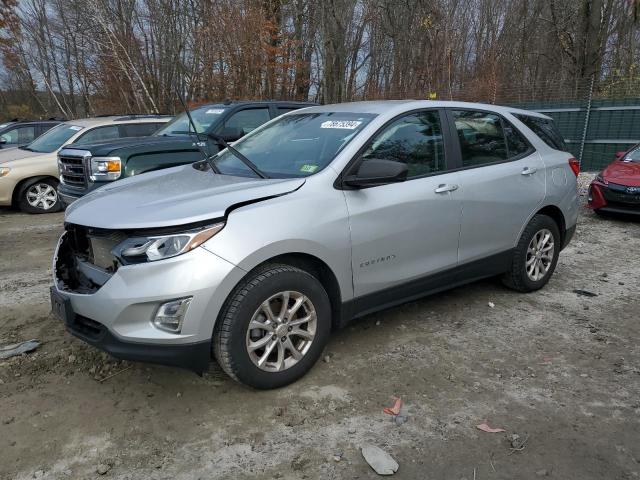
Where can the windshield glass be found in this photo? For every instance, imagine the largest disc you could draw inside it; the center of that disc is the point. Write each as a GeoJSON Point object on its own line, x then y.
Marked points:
{"type": "Point", "coordinates": [296, 145]}
{"type": "Point", "coordinates": [633, 156]}
{"type": "Point", "coordinates": [53, 139]}
{"type": "Point", "coordinates": [202, 117]}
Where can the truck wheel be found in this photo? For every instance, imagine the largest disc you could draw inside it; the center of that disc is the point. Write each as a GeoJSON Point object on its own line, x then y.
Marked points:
{"type": "Point", "coordinates": [40, 196]}
{"type": "Point", "coordinates": [535, 256]}
{"type": "Point", "coordinates": [273, 327]}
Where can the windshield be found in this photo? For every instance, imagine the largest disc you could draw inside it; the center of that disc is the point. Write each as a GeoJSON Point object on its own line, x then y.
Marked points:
{"type": "Point", "coordinates": [633, 155]}
{"type": "Point", "coordinates": [295, 145]}
{"type": "Point", "coordinates": [202, 117]}
{"type": "Point", "coordinates": [53, 139]}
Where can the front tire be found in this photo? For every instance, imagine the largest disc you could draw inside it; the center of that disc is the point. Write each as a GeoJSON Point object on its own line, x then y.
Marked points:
{"type": "Point", "coordinates": [40, 196]}
{"type": "Point", "coordinates": [536, 255]}
{"type": "Point", "coordinates": [273, 327]}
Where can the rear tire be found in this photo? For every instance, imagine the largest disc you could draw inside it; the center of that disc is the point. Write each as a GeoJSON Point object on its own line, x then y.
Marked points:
{"type": "Point", "coordinates": [39, 196]}
{"type": "Point", "coordinates": [280, 347]}
{"type": "Point", "coordinates": [536, 255]}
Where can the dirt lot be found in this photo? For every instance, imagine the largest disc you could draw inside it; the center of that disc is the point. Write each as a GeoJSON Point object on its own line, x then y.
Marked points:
{"type": "Point", "coordinates": [562, 371]}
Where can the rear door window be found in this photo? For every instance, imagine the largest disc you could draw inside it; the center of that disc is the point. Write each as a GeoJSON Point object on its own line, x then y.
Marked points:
{"type": "Point", "coordinates": [481, 137]}
{"type": "Point", "coordinates": [139, 129]}
{"type": "Point", "coordinates": [516, 143]}
{"type": "Point", "coordinates": [545, 129]}
{"type": "Point", "coordinates": [247, 120]}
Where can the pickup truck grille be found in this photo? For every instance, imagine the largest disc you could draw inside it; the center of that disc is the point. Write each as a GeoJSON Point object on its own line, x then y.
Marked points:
{"type": "Point", "coordinates": [72, 171]}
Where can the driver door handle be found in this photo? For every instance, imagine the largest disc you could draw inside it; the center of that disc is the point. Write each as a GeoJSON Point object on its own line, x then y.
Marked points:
{"type": "Point", "coordinates": [444, 188]}
{"type": "Point", "coordinates": [529, 171]}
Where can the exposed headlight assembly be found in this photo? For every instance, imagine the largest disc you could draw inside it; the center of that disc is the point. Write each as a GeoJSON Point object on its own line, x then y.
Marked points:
{"type": "Point", "coordinates": [105, 168]}
{"type": "Point", "coordinates": [159, 247]}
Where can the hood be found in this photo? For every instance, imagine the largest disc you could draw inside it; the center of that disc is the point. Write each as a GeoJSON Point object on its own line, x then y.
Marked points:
{"type": "Point", "coordinates": [171, 197]}
{"type": "Point", "coordinates": [11, 154]}
{"type": "Point", "coordinates": [623, 173]}
{"type": "Point", "coordinates": [146, 144]}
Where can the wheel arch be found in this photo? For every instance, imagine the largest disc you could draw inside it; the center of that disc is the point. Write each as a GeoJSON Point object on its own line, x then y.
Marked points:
{"type": "Point", "coordinates": [316, 267]}
{"type": "Point", "coordinates": [557, 216]}
{"type": "Point", "coordinates": [25, 183]}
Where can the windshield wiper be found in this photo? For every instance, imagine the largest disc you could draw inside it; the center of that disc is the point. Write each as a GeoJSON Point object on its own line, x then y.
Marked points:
{"type": "Point", "coordinates": [24, 147]}
{"type": "Point", "coordinates": [237, 154]}
{"type": "Point", "coordinates": [207, 155]}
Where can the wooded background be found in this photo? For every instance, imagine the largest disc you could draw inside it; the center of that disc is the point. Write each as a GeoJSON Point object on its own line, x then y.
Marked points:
{"type": "Point", "coordinates": [84, 57]}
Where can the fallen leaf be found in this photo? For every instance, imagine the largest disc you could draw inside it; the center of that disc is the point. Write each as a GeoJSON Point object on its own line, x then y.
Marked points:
{"type": "Point", "coordinates": [395, 410]}
{"type": "Point", "coordinates": [486, 428]}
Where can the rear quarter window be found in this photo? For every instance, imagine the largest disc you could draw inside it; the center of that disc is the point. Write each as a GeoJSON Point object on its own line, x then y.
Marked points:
{"type": "Point", "coordinates": [546, 129]}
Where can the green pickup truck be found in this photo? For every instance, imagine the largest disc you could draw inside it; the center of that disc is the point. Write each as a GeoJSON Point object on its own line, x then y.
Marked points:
{"type": "Point", "coordinates": [87, 167]}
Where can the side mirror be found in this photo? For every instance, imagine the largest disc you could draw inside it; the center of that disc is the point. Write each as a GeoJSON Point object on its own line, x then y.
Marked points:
{"type": "Point", "coordinates": [231, 134]}
{"type": "Point", "coordinates": [619, 155]}
{"type": "Point", "coordinates": [3, 140]}
{"type": "Point", "coordinates": [374, 172]}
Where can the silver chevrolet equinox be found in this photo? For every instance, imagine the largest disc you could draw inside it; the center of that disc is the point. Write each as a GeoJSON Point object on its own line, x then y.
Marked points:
{"type": "Point", "coordinates": [255, 255]}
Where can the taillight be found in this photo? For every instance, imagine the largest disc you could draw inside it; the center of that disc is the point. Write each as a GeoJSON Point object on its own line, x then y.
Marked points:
{"type": "Point", "coordinates": [575, 166]}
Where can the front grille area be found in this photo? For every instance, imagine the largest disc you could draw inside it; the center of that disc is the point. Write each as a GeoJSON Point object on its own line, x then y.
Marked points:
{"type": "Point", "coordinates": [619, 194]}
{"type": "Point", "coordinates": [72, 171]}
{"type": "Point", "coordinates": [84, 262]}
{"type": "Point", "coordinates": [86, 328]}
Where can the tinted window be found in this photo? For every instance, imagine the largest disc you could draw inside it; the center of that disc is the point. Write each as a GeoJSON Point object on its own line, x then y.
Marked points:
{"type": "Point", "coordinates": [283, 110]}
{"type": "Point", "coordinates": [632, 156]}
{"type": "Point", "coordinates": [19, 135]}
{"type": "Point", "coordinates": [139, 129]}
{"type": "Point", "coordinates": [246, 120]}
{"type": "Point", "coordinates": [204, 119]}
{"type": "Point", "coordinates": [481, 137]}
{"type": "Point", "coordinates": [415, 139]}
{"type": "Point", "coordinates": [54, 138]}
{"type": "Point", "coordinates": [516, 143]}
{"type": "Point", "coordinates": [99, 134]}
{"type": "Point", "coordinates": [545, 129]}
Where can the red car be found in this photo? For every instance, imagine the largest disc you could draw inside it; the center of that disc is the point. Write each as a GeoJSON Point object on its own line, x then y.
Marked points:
{"type": "Point", "coordinates": [617, 188]}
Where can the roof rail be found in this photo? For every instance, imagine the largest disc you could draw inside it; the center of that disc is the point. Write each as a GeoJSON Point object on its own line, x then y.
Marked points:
{"type": "Point", "coordinates": [133, 116]}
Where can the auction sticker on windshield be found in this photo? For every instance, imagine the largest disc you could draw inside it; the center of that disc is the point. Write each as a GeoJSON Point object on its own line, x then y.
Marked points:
{"type": "Point", "coordinates": [344, 124]}
{"type": "Point", "coordinates": [73, 127]}
{"type": "Point", "coordinates": [308, 168]}
{"type": "Point", "coordinates": [215, 111]}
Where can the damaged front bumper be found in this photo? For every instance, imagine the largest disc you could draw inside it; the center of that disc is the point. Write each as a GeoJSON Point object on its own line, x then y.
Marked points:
{"type": "Point", "coordinates": [113, 308]}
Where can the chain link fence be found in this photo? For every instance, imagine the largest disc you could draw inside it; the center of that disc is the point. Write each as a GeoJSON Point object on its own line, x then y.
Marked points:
{"type": "Point", "coordinates": [597, 120]}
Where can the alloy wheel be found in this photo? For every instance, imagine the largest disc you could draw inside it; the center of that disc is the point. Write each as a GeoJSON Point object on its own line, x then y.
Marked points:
{"type": "Point", "coordinates": [42, 196]}
{"type": "Point", "coordinates": [281, 331]}
{"type": "Point", "coordinates": [540, 254]}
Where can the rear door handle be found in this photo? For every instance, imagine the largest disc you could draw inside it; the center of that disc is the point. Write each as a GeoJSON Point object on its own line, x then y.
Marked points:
{"type": "Point", "coordinates": [529, 171]}
{"type": "Point", "coordinates": [443, 188]}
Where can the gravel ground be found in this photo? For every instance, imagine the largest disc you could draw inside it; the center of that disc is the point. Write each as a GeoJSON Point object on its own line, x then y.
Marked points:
{"type": "Point", "coordinates": [559, 370]}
